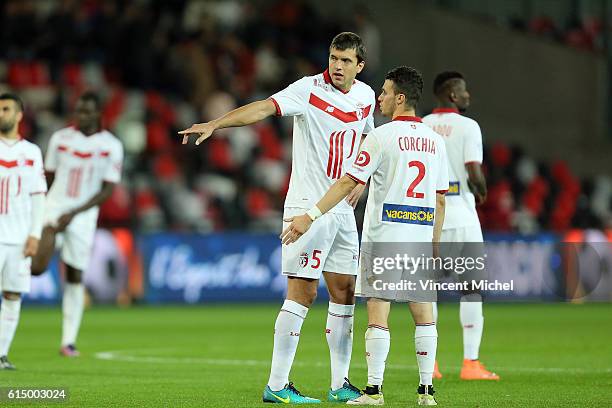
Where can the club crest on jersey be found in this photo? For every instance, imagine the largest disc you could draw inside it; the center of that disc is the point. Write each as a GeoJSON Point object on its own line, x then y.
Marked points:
{"type": "Point", "coordinates": [303, 260]}
{"type": "Point", "coordinates": [359, 112]}
{"type": "Point", "coordinates": [329, 109]}
{"type": "Point", "coordinates": [408, 214]}
{"type": "Point", "coordinates": [363, 159]}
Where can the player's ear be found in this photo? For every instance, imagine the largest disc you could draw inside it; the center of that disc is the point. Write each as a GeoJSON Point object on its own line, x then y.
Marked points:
{"type": "Point", "coordinates": [452, 97]}
{"type": "Point", "coordinates": [400, 98]}
{"type": "Point", "coordinates": [19, 116]}
{"type": "Point", "coordinates": [360, 66]}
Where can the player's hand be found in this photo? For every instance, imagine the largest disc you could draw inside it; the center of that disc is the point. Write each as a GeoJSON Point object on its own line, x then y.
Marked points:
{"type": "Point", "coordinates": [298, 227]}
{"type": "Point", "coordinates": [480, 199]}
{"type": "Point", "coordinates": [63, 221]}
{"type": "Point", "coordinates": [355, 195]}
{"type": "Point", "coordinates": [31, 247]}
{"type": "Point", "coordinates": [204, 130]}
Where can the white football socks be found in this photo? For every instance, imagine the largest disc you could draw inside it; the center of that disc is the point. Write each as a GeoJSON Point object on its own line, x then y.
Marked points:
{"type": "Point", "coordinates": [378, 341]}
{"type": "Point", "coordinates": [472, 320]}
{"type": "Point", "coordinates": [9, 318]}
{"type": "Point", "coordinates": [73, 305]}
{"type": "Point", "coordinates": [339, 333]}
{"type": "Point", "coordinates": [286, 338]}
{"type": "Point", "coordinates": [425, 344]}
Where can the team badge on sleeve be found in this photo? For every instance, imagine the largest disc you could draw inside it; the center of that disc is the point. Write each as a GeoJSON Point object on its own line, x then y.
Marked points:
{"type": "Point", "coordinates": [363, 159]}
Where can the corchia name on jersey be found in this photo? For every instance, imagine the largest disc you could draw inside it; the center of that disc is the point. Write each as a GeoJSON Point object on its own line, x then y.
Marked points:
{"type": "Point", "coordinates": [416, 144]}
{"type": "Point", "coordinates": [408, 214]}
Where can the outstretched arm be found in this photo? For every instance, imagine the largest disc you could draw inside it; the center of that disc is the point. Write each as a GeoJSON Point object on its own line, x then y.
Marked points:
{"type": "Point", "coordinates": [242, 116]}
{"type": "Point", "coordinates": [301, 223]}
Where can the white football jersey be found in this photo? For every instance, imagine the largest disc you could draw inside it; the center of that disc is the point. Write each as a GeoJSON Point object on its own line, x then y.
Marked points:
{"type": "Point", "coordinates": [81, 164]}
{"type": "Point", "coordinates": [21, 175]}
{"type": "Point", "coordinates": [327, 130]}
{"type": "Point", "coordinates": [407, 164]}
{"type": "Point", "coordinates": [464, 145]}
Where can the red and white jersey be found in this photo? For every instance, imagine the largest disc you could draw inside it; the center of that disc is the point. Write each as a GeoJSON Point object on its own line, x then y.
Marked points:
{"type": "Point", "coordinates": [81, 163]}
{"type": "Point", "coordinates": [407, 164]}
{"type": "Point", "coordinates": [21, 175]}
{"type": "Point", "coordinates": [327, 130]}
{"type": "Point", "coordinates": [464, 145]}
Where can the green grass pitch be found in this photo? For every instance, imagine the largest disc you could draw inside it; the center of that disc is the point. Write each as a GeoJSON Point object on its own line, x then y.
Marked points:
{"type": "Point", "coordinates": [552, 355]}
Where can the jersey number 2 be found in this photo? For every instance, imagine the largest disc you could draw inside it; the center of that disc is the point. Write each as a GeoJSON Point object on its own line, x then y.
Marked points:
{"type": "Point", "coordinates": [411, 193]}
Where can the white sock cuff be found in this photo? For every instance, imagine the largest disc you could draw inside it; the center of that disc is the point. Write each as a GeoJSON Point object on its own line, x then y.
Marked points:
{"type": "Point", "coordinates": [295, 308]}
{"type": "Point", "coordinates": [12, 306]}
{"type": "Point", "coordinates": [376, 332]}
{"type": "Point", "coordinates": [338, 310]}
{"type": "Point", "coordinates": [426, 330]}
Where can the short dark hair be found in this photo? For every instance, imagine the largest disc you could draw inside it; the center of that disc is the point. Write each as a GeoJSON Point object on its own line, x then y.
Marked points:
{"type": "Point", "coordinates": [349, 41]}
{"type": "Point", "coordinates": [8, 96]}
{"type": "Point", "coordinates": [92, 96]}
{"type": "Point", "coordinates": [407, 81]}
{"type": "Point", "coordinates": [442, 81]}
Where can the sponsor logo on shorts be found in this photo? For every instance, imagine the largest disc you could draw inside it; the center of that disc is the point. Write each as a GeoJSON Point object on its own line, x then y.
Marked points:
{"type": "Point", "coordinates": [453, 189]}
{"type": "Point", "coordinates": [408, 214]}
{"type": "Point", "coordinates": [303, 259]}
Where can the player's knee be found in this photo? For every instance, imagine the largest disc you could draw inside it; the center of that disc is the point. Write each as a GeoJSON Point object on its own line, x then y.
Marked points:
{"type": "Point", "coordinates": [309, 297]}
{"type": "Point", "coordinates": [343, 292]}
{"type": "Point", "coordinates": [305, 297]}
{"type": "Point", "coordinates": [11, 295]}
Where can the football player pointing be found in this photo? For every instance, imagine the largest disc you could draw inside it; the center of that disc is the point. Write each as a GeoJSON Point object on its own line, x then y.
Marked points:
{"type": "Point", "coordinates": [407, 164]}
{"type": "Point", "coordinates": [331, 111]}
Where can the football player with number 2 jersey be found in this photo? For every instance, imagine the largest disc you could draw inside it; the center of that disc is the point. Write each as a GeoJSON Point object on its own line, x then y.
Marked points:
{"type": "Point", "coordinates": [407, 166]}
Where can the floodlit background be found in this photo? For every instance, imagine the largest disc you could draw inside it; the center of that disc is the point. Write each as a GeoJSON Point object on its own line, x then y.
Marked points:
{"type": "Point", "coordinates": [538, 72]}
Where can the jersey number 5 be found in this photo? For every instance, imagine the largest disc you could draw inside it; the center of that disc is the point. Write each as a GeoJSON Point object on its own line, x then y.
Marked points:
{"type": "Point", "coordinates": [421, 167]}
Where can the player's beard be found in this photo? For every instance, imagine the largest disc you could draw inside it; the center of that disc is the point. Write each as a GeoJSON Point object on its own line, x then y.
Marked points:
{"type": "Point", "coordinates": [6, 126]}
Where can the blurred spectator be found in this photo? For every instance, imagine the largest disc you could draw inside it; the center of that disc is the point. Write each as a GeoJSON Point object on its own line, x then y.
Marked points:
{"type": "Point", "coordinates": [163, 65]}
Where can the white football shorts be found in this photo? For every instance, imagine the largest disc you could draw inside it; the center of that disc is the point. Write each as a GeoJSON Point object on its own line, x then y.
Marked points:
{"type": "Point", "coordinates": [15, 275]}
{"type": "Point", "coordinates": [330, 245]}
{"type": "Point", "coordinates": [76, 241]}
